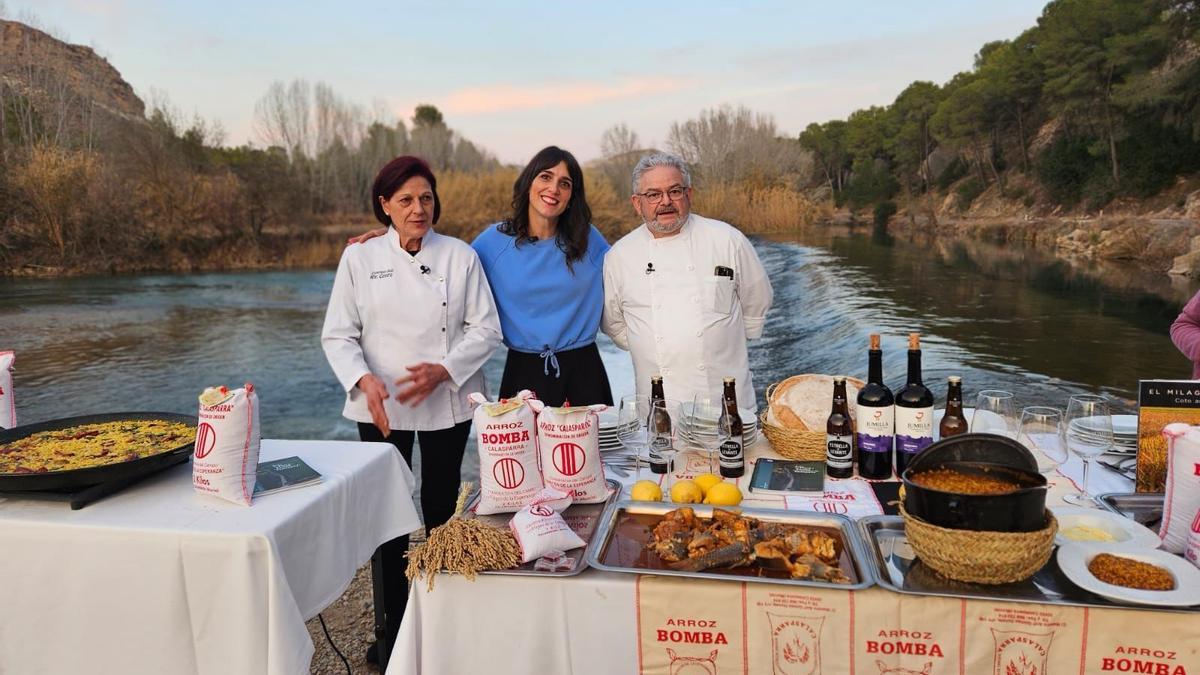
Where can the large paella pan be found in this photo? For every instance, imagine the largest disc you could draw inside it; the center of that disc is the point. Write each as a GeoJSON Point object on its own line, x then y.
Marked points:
{"type": "Point", "coordinates": [136, 444]}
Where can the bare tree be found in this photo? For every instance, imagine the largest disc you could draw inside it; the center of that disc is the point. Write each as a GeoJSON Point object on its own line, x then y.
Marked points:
{"type": "Point", "coordinates": [727, 144]}
{"type": "Point", "coordinates": [617, 140]}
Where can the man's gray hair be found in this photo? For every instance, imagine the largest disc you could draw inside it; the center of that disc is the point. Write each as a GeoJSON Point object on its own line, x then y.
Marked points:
{"type": "Point", "coordinates": [660, 159]}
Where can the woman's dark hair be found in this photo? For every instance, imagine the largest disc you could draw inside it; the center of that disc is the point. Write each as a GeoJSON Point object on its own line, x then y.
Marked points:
{"type": "Point", "coordinates": [393, 175]}
{"type": "Point", "coordinates": [574, 225]}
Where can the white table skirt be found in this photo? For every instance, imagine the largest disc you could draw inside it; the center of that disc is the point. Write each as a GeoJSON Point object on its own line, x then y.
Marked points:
{"type": "Point", "coordinates": [159, 579]}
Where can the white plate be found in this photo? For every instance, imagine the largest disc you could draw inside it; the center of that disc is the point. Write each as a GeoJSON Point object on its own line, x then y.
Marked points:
{"type": "Point", "coordinates": [1122, 529]}
{"type": "Point", "coordinates": [1122, 425]}
{"type": "Point", "coordinates": [1073, 559]}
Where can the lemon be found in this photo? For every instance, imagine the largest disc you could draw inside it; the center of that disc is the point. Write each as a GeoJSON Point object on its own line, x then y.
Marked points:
{"type": "Point", "coordinates": [706, 481]}
{"type": "Point", "coordinates": [686, 492]}
{"type": "Point", "coordinates": [724, 494]}
{"type": "Point", "coordinates": [646, 491]}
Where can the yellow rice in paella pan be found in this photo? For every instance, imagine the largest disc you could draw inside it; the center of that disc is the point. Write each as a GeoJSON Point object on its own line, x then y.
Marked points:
{"type": "Point", "coordinates": [90, 445]}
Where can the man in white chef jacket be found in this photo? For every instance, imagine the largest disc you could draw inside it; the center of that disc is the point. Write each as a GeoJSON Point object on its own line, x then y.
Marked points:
{"type": "Point", "coordinates": [683, 292]}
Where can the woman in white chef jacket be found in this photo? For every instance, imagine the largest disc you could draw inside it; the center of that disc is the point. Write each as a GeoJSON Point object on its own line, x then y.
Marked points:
{"type": "Point", "coordinates": [410, 322]}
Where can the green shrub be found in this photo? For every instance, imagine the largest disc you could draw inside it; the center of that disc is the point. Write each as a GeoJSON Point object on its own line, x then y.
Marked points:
{"type": "Point", "coordinates": [967, 191]}
{"type": "Point", "coordinates": [949, 175]}
{"type": "Point", "coordinates": [883, 212]}
{"type": "Point", "coordinates": [1065, 167]}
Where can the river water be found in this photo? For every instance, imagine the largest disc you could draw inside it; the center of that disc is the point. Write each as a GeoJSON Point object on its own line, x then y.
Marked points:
{"type": "Point", "coordinates": [999, 317]}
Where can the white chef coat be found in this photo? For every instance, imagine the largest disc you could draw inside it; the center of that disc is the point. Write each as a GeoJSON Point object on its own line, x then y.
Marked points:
{"type": "Point", "coordinates": [681, 320]}
{"type": "Point", "coordinates": [385, 313]}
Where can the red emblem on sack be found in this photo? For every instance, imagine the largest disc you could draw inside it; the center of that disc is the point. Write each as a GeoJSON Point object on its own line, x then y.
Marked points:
{"type": "Point", "coordinates": [541, 510]}
{"type": "Point", "coordinates": [569, 458]}
{"type": "Point", "coordinates": [206, 438]}
{"type": "Point", "coordinates": [509, 473]}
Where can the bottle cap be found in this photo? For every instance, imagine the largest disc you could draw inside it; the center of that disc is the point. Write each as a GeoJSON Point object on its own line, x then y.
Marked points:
{"type": "Point", "coordinates": [914, 340]}
{"type": "Point", "coordinates": [875, 341]}
{"type": "Point", "coordinates": [954, 379]}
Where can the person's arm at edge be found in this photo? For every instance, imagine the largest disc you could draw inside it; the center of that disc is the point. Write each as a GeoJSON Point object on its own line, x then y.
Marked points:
{"type": "Point", "coordinates": [481, 331]}
{"type": "Point", "coordinates": [612, 321]}
{"type": "Point", "coordinates": [1185, 331]}
{"type": "Point", "coordinates": [753, 288]}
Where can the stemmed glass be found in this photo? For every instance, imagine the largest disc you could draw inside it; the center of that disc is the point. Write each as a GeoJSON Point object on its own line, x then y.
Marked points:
{"type": "Point", "coordinates": [704, 428]}
{"type": "Point", "coordinates": [632, 414]}
{"type": "Point", "coordinates": [1042, 431]}
{"type": "Point", "coordinates": [1089, 434]}
{"type": "Point", "coordinates": [665, 434]}
{"type": "Point", "coordinates": [995, 413]}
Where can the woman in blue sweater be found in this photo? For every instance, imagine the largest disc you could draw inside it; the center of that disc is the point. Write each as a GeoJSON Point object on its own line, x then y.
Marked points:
{"type": "Point", "coordinates": [545, 265]}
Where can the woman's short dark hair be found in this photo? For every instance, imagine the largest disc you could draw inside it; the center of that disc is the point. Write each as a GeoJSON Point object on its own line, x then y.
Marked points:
{"type": "Point", "coordinates": [574, 225]}
{"type": "Point", "coordinates": [393, 175]}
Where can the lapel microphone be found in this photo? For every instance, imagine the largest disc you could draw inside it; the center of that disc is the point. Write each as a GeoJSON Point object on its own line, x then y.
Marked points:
{"type": "Point", "coordinates": [649, 268]}
{"type": "Point", "coordinates": [425, 269]}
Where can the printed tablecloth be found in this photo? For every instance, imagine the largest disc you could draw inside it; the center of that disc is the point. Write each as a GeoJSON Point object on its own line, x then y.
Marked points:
{"type": "Point", "coordinates": [602, 623]}
{"type": "Point", "coordinates": [159, 579]}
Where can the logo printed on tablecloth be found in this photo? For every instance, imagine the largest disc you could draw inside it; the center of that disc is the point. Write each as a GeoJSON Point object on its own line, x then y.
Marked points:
{"type": "Point", "coordinates": [508, 472]}
{"type": "Point", "coordinates": [692, 665]}
{"type": "Point", "coordinates": [795, 644]}
{"type": "Point", "coordinates": [569, 458]}
{"type": "Point", "coordinates": [1021, 653]}
{"type": "Point", "coordinates": [884, 670]}
{"type": "Point", "coordinates": [206, 438]}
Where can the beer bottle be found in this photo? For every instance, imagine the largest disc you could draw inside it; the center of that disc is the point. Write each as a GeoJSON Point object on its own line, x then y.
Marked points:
{"type": "Point", "coordinates": [733, 449]}
{"type": "Point", "coordinates": [658, 426]}
{"type": "Point", "coordinates": [876, 419]}
{"type": "Point", "coordinates": [953, 422]}
{"type": "Point", "coordinates": [839, 435]}
{"type": "Point", "coordinates": [914, 410]}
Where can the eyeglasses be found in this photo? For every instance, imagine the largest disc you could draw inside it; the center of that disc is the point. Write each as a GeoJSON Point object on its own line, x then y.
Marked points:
{"type": "Point", "coordinates": [655, 196]}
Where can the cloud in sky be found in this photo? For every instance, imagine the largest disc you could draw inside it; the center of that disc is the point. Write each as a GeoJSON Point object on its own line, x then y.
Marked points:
{"type": "Point", "coordinates": [508, 97]}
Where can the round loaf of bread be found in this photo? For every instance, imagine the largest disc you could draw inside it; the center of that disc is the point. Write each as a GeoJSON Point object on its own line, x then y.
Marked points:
{"type": "Point", "coordinates": [803, 402]}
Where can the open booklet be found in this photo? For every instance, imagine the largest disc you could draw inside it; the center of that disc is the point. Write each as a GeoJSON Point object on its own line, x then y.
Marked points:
{"type": "Point", "coordinates": [283, 474]}
{"type": "Point", "coordinates": [785, 476]}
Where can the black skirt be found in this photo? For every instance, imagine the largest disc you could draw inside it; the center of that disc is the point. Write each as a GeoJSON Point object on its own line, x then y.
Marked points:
{"type": "Point", "coordinates": [579, 378]}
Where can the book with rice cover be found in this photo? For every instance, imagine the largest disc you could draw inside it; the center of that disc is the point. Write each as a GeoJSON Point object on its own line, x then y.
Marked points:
{"type": "Point", "coordinates": [288, 473]}
{"type": "Point", "coordinates": [1161, 402]}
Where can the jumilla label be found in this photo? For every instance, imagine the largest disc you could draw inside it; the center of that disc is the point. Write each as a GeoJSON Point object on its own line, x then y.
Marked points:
{"type": "Point", "coordinates": [691, 631]}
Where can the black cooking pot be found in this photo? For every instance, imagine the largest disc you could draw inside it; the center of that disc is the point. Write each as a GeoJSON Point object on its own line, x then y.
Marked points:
{"type": "Point", "coordinates": [1023, 510]}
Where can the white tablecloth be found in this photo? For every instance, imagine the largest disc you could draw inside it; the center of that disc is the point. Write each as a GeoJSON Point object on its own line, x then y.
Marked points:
{"type": "Point", "coordinates": [159, 579]}
{"type": "Point", "coordinates": [588, 624]}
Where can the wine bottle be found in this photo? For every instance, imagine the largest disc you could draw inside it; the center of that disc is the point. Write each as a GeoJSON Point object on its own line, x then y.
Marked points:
{"type": "Point", "coordinates": [876, 419]}
{"type": "Point", "coordinates": [953, 422]}
{"type": "Point", "coordinates": [914, 410]}
{"type": "Point", "coordinates": [839, 435]}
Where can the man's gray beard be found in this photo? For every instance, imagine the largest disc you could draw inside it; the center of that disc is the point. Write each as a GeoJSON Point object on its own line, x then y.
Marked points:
{"type": "Point", "coordinates": [654, 226]}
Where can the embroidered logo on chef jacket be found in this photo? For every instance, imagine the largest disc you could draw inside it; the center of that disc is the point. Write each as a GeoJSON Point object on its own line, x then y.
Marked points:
{"type": "Point", "coordinates": [382, 274]}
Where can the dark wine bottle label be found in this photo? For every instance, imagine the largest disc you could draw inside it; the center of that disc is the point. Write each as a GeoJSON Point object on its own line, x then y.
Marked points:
{"type": "Point", "coordinates": [839, 452]}
{"type": "Point", "coordinates": [731, 453]}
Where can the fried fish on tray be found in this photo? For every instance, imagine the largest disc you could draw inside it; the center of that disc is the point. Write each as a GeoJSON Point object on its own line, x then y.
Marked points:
{"type": "Point", "coordinates": [688, 543]}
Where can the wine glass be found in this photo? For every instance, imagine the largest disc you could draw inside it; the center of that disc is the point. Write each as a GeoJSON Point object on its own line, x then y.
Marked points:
{"type": "Point", "coordinates": [704, 428]}
{"type": "Point", "coordinates": [1089, 434]}
{"type": "Point", "coordinates": [995, 413]}
{"type": "Point", "coordinates": [662, 427]}
{"type": "Point", "coordinates": [1042, 432]}
{"type": "Point", "coordinates": [632, 414]}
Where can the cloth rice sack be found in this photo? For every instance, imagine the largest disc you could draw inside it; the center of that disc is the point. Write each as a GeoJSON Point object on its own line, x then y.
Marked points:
{"type": "Point", "coordinates": [569, 449]}
{"type": "Point", "coordinates": [227, 443]}
{"type": "Point", "coordinates": [507, 442]}
{"type": "Point", "coordinates": [8, 403]}
{"type": "Point", "coordinates": [1182, 500]}
{"type": "Point", "coordinates": [539, 527]}
{"type": "Point", "coordinates": [1192, 552]}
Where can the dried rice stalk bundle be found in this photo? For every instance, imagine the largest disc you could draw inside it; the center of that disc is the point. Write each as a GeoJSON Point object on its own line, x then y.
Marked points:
{"type": "Point", "coordinates": [464, 546]}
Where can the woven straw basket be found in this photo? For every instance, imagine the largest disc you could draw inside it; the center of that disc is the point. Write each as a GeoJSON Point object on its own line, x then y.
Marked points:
{"type": "Point", "coordinates": [791, 442]}
{"type": "Point", "coordinates": [980, 557]}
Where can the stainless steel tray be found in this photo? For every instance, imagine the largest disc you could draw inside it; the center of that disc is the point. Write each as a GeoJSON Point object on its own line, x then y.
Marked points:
{"type": "Point", "coordinates": [582, 518]}
{"type": "Point", "coordinates": [897, 568]}
{"type": "Point", "coordinates": [1143, 507]}
{"type": "Point", "coordinates": [601, 553]}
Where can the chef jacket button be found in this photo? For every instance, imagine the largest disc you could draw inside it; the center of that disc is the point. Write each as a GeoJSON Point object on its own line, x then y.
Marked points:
{"type": "Point", "coordinates": [699, 333]}
{"type": "Point", "coordinates": [443, 304]}
{"type": "Point", "coordinates": [701, 366]}
{"type": "Point", "coordinates": [690, 268]}
{"type": "Point", "coordinates": [443, 329]}
{"type": "Point", "coordinates": [441, 279]}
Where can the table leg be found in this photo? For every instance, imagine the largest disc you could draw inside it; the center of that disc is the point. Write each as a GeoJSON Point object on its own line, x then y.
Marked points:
{"type": "Point", "coordinates": [383, 648]}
